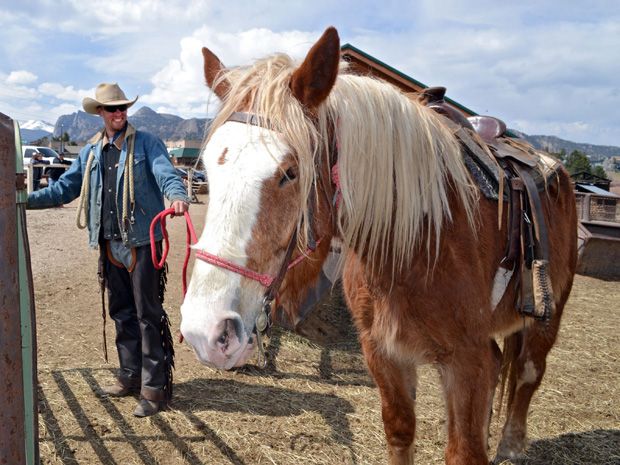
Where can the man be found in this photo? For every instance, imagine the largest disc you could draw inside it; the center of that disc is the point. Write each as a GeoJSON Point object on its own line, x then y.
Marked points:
{"type": "Point", "coordinates": [37, 171]}
{"type": "Point", "coordinates": [53, 174]}
{"type": "Point", "coordinates": [120, 176]}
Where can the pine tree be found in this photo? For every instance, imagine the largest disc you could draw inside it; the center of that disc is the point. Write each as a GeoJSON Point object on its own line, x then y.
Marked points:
{"type": "Point", "coordinates": [577, 162]}
{"type": "Point", "coordinates": [600, 172]}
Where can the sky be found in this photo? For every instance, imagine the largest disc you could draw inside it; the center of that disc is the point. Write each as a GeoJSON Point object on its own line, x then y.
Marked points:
{"type": "Point", "coordinates": [544, 67]}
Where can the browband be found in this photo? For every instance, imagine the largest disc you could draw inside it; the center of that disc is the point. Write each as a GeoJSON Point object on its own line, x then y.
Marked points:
{"type": "Point", "coordinates": [249, 118]}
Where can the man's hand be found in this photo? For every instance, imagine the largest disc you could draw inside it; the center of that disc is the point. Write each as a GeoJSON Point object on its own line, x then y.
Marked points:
{"type": "Point", "coordinates": [180, 207]}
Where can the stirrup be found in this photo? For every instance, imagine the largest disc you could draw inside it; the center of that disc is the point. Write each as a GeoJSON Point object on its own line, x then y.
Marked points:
{"type": "Point", "coordinates": [544, 303]}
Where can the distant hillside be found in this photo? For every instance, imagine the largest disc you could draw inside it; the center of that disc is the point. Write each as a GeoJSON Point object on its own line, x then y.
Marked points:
{"type": "Point", "coordinates": [82, 126]}
{"type": "Point", "coordinates": [555, 145]}
{"type": "Point", "coordinates": [30, 135]}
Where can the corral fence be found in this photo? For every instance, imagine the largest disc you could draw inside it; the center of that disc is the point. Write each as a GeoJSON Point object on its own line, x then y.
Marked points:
{"type": "Point", "coordinates": [599, 235]}
{"type": "Point", "coordinates": [593, 207]}
{"type": "Point", "coordinates": [30, 179]}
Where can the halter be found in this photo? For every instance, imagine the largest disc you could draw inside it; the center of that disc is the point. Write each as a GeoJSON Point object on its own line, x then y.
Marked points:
{"type": "Point", "coordinates": [272, 284]}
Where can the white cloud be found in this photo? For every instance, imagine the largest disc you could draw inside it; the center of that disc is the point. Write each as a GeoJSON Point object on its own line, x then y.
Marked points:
{"type": "Point", "coordinates": [21, 77]}
{"type": "Point", "coordinates": [119, 17]}
{"type": "Point", "coordinates": [180, 83]}
{"type": "Point", "coordinates": [66, 93]}
{"type": "Point", "coordinates": [12, 89]}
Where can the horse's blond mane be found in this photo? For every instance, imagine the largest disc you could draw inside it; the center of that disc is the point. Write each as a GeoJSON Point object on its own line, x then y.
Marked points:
{"type": "Point", "coordinates": [396, 160]}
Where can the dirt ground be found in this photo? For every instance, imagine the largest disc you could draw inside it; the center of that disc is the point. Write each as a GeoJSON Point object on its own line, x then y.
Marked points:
{"type": "Point", "coordinates": [313, 404]}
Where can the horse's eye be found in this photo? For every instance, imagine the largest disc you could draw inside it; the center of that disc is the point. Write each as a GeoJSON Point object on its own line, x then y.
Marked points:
{"type": "Point", "coordinates": [289, 175]}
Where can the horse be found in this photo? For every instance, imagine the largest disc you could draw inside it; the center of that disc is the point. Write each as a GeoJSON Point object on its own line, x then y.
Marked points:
{"type": "Point", "coordinates": [302, 155]}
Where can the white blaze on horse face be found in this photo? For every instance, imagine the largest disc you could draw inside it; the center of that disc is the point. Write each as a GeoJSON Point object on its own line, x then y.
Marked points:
{"type": "Point", "coordinates": [220, 307]}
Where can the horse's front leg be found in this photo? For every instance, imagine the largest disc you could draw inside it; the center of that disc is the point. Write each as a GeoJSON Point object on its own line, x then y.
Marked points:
{"type": "Point", "coordinates": [395, 383]}
{"type": "Point", "coordinates": [469, 379]}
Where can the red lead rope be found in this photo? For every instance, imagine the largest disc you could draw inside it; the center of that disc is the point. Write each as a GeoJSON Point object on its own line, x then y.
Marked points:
{"type": "Point", "coordinates": [160, 219]}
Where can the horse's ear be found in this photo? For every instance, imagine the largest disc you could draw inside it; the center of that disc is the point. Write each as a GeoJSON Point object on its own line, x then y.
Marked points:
{"type": "Point", "coordinates": [212, 68]}
{"type": "Point", "coordinates": [314, 79]}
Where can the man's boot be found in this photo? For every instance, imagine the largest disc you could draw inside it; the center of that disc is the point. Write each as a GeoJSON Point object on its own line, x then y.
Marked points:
{"type": "Point", "coordinates": [146, 408]}
{"type": "Point", "coordinates": [119, 390]}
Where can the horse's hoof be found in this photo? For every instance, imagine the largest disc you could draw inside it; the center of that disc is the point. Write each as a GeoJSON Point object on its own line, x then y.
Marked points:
{"type": "Point", "coordinates": [512, 459]}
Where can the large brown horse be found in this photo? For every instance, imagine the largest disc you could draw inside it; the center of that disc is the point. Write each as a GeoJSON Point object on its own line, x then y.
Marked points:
{"type": "Point", "coordinates": [305, 152]}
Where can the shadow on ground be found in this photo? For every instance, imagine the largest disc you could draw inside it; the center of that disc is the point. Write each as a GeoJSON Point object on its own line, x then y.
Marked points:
{"type": "Point", "coordinates": [597, 447]}
{"type": "Point", "coordinates": [192, 399]}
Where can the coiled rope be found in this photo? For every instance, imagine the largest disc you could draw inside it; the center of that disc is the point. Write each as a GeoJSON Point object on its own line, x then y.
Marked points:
{"type": "Point", "coordinates": [128, 188]}
{"type": "Point", "coordinates": [128, 185]}
{"type": "Point", "coordinates": [85, 192]}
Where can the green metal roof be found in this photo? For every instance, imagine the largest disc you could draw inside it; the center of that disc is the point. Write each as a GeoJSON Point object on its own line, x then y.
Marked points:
{"type": "Point", "coordinates": [184, 152]}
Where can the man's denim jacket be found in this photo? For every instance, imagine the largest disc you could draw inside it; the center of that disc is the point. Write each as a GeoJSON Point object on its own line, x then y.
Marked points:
{"type": "Point", "coordinates": [153, 174]}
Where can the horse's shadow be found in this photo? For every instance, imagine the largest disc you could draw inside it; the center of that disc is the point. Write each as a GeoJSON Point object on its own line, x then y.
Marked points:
{"type": "Point", "coordinates": [328, 327]}
{"type": "Point", "coordinates": [340, 364]}
{"type": "Point", "coordinates": [597, 447]}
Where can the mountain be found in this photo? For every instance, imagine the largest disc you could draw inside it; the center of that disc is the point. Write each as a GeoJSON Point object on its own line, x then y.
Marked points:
{"type": "Point", "coordinates": [32, 130]}
{"type": "Point", "coordinates": [82, 126]}
{"type": "Point", "coordinates": [34, 125]}
{"type": "Point", "coordinates": [554, 144]}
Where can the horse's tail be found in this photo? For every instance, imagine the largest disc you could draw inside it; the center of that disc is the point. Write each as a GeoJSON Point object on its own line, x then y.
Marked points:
{"type": "Point", "coordinates": [513, 345]}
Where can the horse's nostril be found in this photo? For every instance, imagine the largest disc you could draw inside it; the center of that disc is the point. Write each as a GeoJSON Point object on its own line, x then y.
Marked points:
{"type": "Point", "coordinates": [223, 338]}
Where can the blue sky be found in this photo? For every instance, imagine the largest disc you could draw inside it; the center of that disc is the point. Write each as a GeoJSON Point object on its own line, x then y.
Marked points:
{"type": "Point", "coordinates": [544, 67]}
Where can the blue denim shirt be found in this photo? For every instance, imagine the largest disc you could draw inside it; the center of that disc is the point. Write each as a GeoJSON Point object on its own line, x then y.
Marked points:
{"type": "Point", "coordinates": [154, 177]}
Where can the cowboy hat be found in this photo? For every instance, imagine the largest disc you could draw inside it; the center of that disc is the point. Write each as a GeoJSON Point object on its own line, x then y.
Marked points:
{"type": "Point", "coordinates": [106, 94]}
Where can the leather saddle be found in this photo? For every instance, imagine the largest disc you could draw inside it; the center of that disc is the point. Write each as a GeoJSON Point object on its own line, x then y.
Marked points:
{"type": "Point", "coordinates": [491, 130]}
{"type": "Point", "coordinates": [494, 159]}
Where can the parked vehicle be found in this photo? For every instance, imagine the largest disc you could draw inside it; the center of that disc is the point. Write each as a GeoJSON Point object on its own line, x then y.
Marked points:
{"type": "Point", "coordinates": [199, 182]}
{"type": "Point", "coordinates": [48, 154]}
{"type": "Point", "coordinates": [29, 150]}
{"type": "Point", "coordinates": [197, 176]}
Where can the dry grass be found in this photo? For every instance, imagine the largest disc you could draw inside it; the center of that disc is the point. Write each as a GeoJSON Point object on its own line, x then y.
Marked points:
{"type": "Point", "coordinates": [314, 404]}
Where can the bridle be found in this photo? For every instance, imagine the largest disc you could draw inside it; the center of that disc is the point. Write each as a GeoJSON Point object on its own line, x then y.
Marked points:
{"type": "Point", "coordinates": [264, 320]}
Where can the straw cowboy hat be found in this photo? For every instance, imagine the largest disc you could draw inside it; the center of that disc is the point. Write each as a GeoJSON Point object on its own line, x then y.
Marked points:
{"type": "Point", "coordinates": [106, 94]}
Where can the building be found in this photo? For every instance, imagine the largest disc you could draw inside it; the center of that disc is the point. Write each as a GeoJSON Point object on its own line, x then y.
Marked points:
{"type": "Point", "coordinates": [363, 63]}
{"type": "Point", "coordinates": [184, 152]}
{"type": "Point", "coordinates": [184, 156]}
